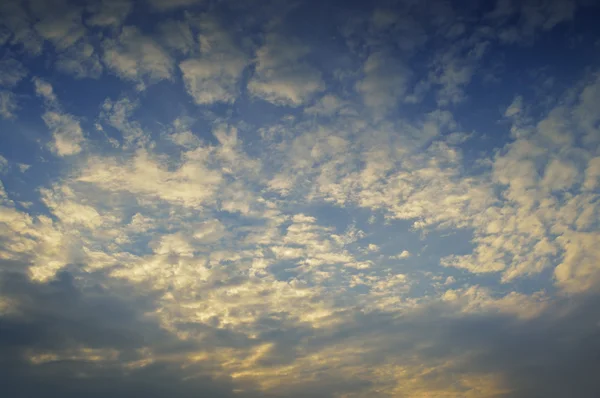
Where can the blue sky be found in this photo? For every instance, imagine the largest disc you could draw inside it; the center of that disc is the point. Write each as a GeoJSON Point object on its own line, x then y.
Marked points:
{"type": "Point", "coordinates": [295, 198]}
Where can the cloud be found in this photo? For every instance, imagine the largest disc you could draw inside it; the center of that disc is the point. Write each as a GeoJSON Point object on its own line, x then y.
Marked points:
{"type": "Point", "coordinates": [19, 23]}
{"type": "Point", "coordinates": [534, 17]}
{"type": "Point", "coordinates": [133, 56]}
{"type": "Point", "coordinates": [44, 352]}
{"type": "Point", "coordinates": [402, 254]}
{"type": "Point", "coordinates": [215, 74]}
{"type": "Point", "coordinates": [3, 164]}
{"type": "Point", "coordinates": [178, 35]}
{"type": "Point", "coordinates": [66, 131]}
{"type": "Point", "coordinates": [119, 115]}
{"type": "Point", "coordinates": [11, 71]}
{"type": "Point", "coordinates": [515, 107]}
{"type": "Point", "coordinates": [376, 235]}
{"type": "Point", "coordinates": [281, 75]}
{"type": "Point", "coordinates": [8, 104]}
{"type": "Point", "coordinates": [44, 89]}
{"type": "Point", "coordinates": [536, 227]}
{"type": "Point", "coordinates": [61, 27]}
{"type": "Point", "coordinates": [191, 184]}
{"type": "Point", "coordinates": [163, 5]}
{"type": "Point", "coordinates": [80, 61]}
{"type": "Point", "coordinates": [329, 105]}
{"type": "Point", "coordinates": [108, 12]}
{"type": "Point", "coordinates": [455, 66]}
{"type": "Point", "coordinates": [384, 83]}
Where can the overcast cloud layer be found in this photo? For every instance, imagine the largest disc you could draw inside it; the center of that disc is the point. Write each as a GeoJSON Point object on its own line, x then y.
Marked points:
{"type": "Point", "coordinates": [223, 198]}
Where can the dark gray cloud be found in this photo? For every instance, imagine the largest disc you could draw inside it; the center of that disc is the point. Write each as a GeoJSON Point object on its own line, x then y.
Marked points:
{"type": "Point", "coordinates": [62, 315]}
{"type": "Point", "coordinates": [554, 355]}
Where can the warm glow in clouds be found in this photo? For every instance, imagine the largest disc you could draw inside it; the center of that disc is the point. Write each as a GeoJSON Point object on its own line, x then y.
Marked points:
{"type": "Point", "coordinates": [205, 198]}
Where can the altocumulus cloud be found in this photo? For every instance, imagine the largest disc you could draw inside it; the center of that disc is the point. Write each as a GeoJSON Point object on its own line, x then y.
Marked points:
{"type": "Point", "coordinates": [288, 199]}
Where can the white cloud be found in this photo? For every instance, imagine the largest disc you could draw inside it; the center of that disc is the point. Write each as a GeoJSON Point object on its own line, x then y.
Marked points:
{"type": "Point", "coordinates": [329, 105]}
{"type": "Point", "coordinates": [119, 114]}
{"type": "Point", "coordinates": [455, 66]}
{"type": "Point", "coordinates": [192, 184]}
{"type": "Point", "coordinates": [373, 247]}
{"type": "Point", "coordinates": [515, 107]}
{"type": "Point", "coordinates": [23, 167]}
{"type": "Point", "coordinates": [108, 12]}
{"type": "Point", "coordinates": [547, 215]}
{"type": "Point", "coordinates": [58, 22]}
{"type": "Point", "coordinates": [579, 270]}
{"type": "Point", "coordinates": [63, 28]}
{"type": "Point", "coordinates": [559, 175]}
{"type": "Point", "coordinates": [44, 89]}
{"type": "Point", "coordinates": [214, 75]}
{"type": "Point", "coordinates": [178, 35]}
{"type": "Point", "coordinates": [592, 174]}
{"type": "Point", "coordinates": [8, 104]}
{"type": "Point", "coordinates": [36, 241]}
{"type": "Point", "coordinates": [185, 139]}
{"type": "Point", "coordinates": [80, 61]}
{"type": "Point", "coordinates": [67, 209]}
{"type": "Point", "coordinates": [485, 260]}
{"type": "Point", "coordinates": [281, 75]}
{"type": "Point", "coordinates": [477, 299]}
{"type": "Point", "coordinates": [66, 133]}
{"type": "Point", "coordinates": [11, 71]}
{"type": "Point", "coordinates": [136, 57]}
{"type": "Point", "coordinates": [403, 254]}
{"type": "Point", "coordinates": [385, 82]}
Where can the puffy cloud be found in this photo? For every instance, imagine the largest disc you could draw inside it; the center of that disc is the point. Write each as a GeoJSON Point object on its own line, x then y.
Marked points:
{"type": "Point", "coordinates": [18, 22]}
{"type": "Point", "coordinates": [108, 12]}
{"type": "Point", "coordinates": [44, 89]}
{"type": "Point", "coordinates": [80, 61]}
{"type": "Point", "coordinates": [61, 27]}
{"type": "Point", "coordinates": [545, 217]}
{"type": "Point", "coordinates": [11, 71]}
{"type": "Point", "coordinates": [455, 66]}
{"type": "Point", "coordinates": [515, 107]}
{"type": "Point", "coordinates": [178, 35]}
{"type": "Point", "coordinates": [330, 105]}
{"type": "Point", "coordinates": [119, 114]}
{"type": "Point", "coordinates": [215, 74]}
{"type": "Point", "coordinates": [66, 132]}
{"type": "Point", "coordinates": [385, 82]}
{"type": "Point", "coordinates": [281, 75]}
{"type": "Point", "coordinates": [134, 56]}
{"type": "Point", "coordinates": [403, 254]}
{"type": "Point", "coordinates": [191, 184]}
{"type": "Point", "coordinates": [8, 104]}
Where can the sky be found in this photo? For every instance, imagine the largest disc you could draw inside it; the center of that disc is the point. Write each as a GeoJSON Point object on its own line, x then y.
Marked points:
{"type": "Point", "coordinates": [279, 198]}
